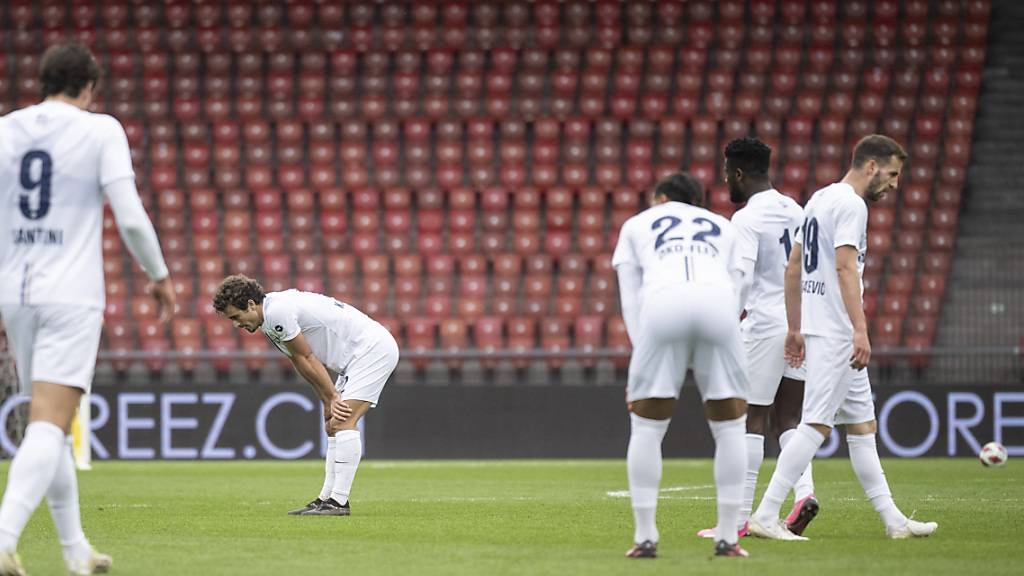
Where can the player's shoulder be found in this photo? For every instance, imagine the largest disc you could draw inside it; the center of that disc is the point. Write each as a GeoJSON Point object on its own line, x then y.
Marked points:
{"type": "Point", "coordinates": [278, 300]}
{"type": "Point", "coordinates": [106, 125]}
{"type": "Point", "coordinates": [713, 216]}
{"type": "Point", "coordinates": [746, 217]}
{"type": "Point", "coordinates": [844, 198]}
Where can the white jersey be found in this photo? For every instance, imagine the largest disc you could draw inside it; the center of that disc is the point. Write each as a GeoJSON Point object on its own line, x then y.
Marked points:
{"type": "Point", "coordinates": [676, 245]}
{"type": "Point", "coordinates": [766, 229]}
{"type": "Point", "coordinates": [55, 160]}
{"type": "Point", "coordinates": [835, 216]}
{"type": "Point", "coordinates": [336, 332]}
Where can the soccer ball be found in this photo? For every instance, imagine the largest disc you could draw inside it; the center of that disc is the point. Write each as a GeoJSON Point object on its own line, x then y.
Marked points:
{"type": "Point", "coordinates": [993, 455]}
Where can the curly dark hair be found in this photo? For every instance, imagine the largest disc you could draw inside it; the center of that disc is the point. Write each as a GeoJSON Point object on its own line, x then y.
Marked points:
{"type": "Point", "coordinates": [237, 290]}
{"type": "Point", "coordinates": [681, 187]}
{"type": "Point", "coordinates": [750, 155]}
{"type": "Point", "coordinates": [66, 68]}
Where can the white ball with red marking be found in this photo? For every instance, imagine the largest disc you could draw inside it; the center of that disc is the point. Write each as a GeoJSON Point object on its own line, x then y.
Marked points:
{"type": "Point", "coordinates": [993, 455]}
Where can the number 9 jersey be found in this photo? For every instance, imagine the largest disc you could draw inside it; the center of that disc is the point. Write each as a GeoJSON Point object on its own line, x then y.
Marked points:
{"type": "Point", "coordinates": [55, 160]}
{"type": "Point", "coordinates": [676, 244]}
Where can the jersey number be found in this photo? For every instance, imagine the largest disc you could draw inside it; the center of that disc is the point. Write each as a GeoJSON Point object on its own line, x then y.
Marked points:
{"type": "Point", "coordinates": [787, 244]}
{"type": "Point", "coordinates": [811, 245]}
{"type": "Point", "coordinates": [701, 235]}
{"type": "Point", "coordinates": [43, 183]}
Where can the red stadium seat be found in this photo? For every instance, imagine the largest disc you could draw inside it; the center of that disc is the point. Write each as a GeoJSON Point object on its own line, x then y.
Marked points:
{"type": "Point", "coordinates": [554, 338]}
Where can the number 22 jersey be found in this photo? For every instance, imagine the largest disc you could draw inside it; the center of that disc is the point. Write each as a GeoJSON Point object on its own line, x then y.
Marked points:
{"type": "Point", "coordinates": [676, 244]}
{"type": "Point", "coordinates": [55, 160]}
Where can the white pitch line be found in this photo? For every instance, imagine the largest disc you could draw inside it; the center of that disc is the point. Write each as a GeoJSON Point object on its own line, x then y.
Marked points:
{"type": "Point", "coordinates": [667, 489]}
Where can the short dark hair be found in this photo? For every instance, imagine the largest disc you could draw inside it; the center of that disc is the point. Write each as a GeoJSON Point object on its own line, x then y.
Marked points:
{"type": "Point", "coordinates": [237, 290]}
{"type": "Point", "coordinates": [878, 148]}
{"type": "Point", "coordinates": [681, 187]}
{"type": "Point", "coordinates": [750, 155]}
{"type": "Point", "coordinates": [66, 68]}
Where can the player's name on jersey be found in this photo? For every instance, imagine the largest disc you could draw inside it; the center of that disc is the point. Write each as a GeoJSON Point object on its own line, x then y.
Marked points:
{"type": "Point", "coordinates": [688, 248]}
{"type": "Point", "coordinates": [814, 287]}
{"type": "Point", "coordinates": [45, 236]}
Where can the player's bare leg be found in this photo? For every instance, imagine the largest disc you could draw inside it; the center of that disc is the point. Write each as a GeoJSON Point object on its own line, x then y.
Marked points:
{"type": "Point", "coordinates": [649, 420]}
{"type": "Point", "coordinates": [727, 419]}
{"type": "Point", "coordinates": [43, 466]}
{"type": "Point", "coordinates": [868, 467]}
{"type": "Point", "coordinates": [348, 451]}
{"type": "Point", "coordinates": [788, 406]}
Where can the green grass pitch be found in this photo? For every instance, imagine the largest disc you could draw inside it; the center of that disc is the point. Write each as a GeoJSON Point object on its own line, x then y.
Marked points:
{"type": "Point", "coordinates": [516, 517]}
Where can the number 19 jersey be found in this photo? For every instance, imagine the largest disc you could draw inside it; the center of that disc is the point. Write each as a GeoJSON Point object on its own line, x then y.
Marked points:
{"type": "Point", "coordinates": [55, 160]}
{"type": "Point", "coordinates": [677, 244]}
{"type": "Point", "coordinates": [834, 216]}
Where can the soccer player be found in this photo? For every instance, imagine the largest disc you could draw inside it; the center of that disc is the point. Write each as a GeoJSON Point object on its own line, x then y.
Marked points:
{"type": "Point", "coordinates": [58, 162]}
{"type": "Point", "coordinates": [766, 228]}
{"type": "Point", "coordinates": [318, 333]}
{"type": "Point", "coordinates": [679, 307]}
{"type": "Point", "coordinates": [824, 295]}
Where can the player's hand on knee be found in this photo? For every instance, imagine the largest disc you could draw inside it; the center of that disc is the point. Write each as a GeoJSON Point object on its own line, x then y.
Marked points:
{"type": "Point", "coordinates": [794, 350]}
{"type": "Point", "coordinates": [163, 292]}
{"type": "Point", "coordinates": [340, 409]}
{"type": "Point", "coordinates": [861, 350]}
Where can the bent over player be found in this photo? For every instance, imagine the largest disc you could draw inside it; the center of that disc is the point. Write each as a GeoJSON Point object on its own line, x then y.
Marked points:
{"type": "Point", "coordinates": [679, 307]}
{"type": "Point", "coordinates": [58, 163]}
{"type": "Point", "coordinates": [765, 230]}
{"type": "Point", "coordinates": [318, 333]}
{"type": "Point", "coordinates": [824, 305]}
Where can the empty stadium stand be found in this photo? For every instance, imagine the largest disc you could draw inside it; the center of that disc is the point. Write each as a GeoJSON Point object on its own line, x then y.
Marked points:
{"type": "Point", "coordinates": [460, 170]}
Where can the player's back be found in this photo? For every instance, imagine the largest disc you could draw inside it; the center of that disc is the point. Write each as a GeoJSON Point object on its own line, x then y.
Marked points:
{"type": "Point", "coordinates": [54, 160]}
{"type": "Point", "coordinates": [766, 229]}
{"type": "Point", "coordinates": [834, 216]}
{"type": "Point", "coordinates": [334, 330]}
{"type": "Point", "coordinates": [679, 245]}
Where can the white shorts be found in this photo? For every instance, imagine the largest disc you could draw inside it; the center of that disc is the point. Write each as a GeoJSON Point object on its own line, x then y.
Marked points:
{"type": "Point", "coordinates": [53, 343]}
{"type": "Point", "coordinates": [366, 375]}
{"type": "Point", "coordinates": [767, 366]}
{"type": "Point", "coordinates": [692, 327]}
{"type": "Point", "coordinates": [834, 393]}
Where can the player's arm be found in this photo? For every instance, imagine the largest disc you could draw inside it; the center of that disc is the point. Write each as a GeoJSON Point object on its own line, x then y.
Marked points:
{"type": "Point", "coordinates": [630, 282]}
{"type": "Point", "coordinates": [314, 372]}
{"type": "Point", "coordinates": [117, 180]}
{"type": "Point", "coordinates": [849, 287]}
{"type": "Point", "coordinates": [744, 259]}
{"type": "Point", "coordinates": [794, 340]}
{"type": "Point", "coordinates": [138, 234]}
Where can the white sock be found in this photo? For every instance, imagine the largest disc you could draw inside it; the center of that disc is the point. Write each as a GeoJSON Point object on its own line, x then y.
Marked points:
{"type": "Point", "coordinates": [795, 457]}
{"type": "Point", "coordinates": [62, 496]}
{"type": "Point", "coordinates": [347, 453]}
{"type": "Point", "coordinates": [29, 476]}
{"type": "Point", "coordinates": [325, 492]}
{"type": "Point", "coordinates": [730, 468]}
{"type": "Point", "coordinates": [755, 456]}
{"type": "Point", "coordinates": [643, 464]}
{"type": "Point", "coordinates": [867, 466]}
{"type": "Point", "coordinates": [804, 487]}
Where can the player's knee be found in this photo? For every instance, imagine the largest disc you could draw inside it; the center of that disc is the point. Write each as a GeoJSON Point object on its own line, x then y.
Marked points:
{"type": "Point", "coordinates": [725, 409]}
{"type": "Point", "coordinates": [822, 429]}
{"type": "Point", "coordinates": [862, 428]}
{"type": "Point", "coordinates": [653, 408]}
{"type": "Point", "coordinates": [757, 419]}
